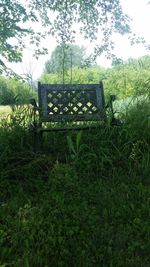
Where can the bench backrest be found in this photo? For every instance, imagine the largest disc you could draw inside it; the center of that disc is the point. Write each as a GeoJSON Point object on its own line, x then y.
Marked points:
{"type": "Point", "coordinates": [71, 102]}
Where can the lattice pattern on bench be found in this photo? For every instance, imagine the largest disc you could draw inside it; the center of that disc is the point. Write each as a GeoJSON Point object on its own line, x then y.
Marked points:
{"type": "Point", "coordinates": [73, 102]}
{"type": "Point", "coordinates": [70, 102]}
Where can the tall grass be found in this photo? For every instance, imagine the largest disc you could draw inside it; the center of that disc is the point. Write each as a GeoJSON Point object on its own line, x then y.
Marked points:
{"type": "Point", "coordinates": [82, 201]}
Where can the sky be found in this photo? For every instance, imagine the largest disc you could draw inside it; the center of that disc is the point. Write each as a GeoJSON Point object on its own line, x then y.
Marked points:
{"type": "Point", "coordinates": [139, 12]}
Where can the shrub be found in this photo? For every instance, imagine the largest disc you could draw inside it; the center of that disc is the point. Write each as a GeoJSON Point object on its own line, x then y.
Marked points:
{"type": "Point", "coordinates": [7, 96]}
{"type": "Point", "coordinates": [14, 92]}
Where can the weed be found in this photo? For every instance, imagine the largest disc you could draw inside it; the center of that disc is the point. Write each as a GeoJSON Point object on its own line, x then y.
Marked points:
{"type": "Point", "coordinates": [83, 201]}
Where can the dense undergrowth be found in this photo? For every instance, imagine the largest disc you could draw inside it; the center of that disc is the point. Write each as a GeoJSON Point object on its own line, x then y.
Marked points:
{"type": "Point", "coordinates": [81, 201]}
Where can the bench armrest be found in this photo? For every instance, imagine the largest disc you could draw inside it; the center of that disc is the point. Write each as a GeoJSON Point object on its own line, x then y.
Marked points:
{"type": "Point", "coordinates": [35, 109]}
{"type": "Point", "coordinates": [112, 98]}
{"type": "Point", "coordinates": [114, 121]}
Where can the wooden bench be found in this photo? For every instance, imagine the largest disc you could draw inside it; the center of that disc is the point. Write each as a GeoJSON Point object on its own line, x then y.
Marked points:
{"type": "Point", "coordinates": [66, 103]}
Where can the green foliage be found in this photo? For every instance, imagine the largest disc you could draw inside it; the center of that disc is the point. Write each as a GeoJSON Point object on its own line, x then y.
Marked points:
{"type": "Point", "coordinates": [75, 149]}
{"type": "Point", "coordinates": [129, 78]}
{"type": "Point", "coordinates": [79, 76]}
{"type": "Point", "coordinates": [89, 207]}
{"type": "Point", "coordinates": [14, 92]}
{"type": "Point", "coordinates": [66, 57]}
{"type": "Point", "coordinates": [92, 16]}
{"type": "Point", "coordinates": [138, 117]}
{"type": "Point", "coordinates": [10, 16]}
{"type": "Point", "coordinates": [13, 18]}
{"type": "Point", "coordinates": [17, 22]}
{"type": "Point", "coordinates": [6, 94]}
{"type": "Point", "coordinates": [84, 199]}
{"type": "Point", "coordinates": [124, 79]}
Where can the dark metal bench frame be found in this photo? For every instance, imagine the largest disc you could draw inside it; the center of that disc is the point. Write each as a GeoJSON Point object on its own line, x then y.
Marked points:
{"type": "Point", "coordinates": [69, 103]}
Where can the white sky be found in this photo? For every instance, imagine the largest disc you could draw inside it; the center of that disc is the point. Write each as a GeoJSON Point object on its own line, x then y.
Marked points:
{"type": "Point", "coordinates": [138, 10]}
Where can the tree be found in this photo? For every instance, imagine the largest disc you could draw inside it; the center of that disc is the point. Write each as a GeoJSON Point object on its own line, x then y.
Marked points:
{"type": "Point", "coordinates": [140, 63]}
{"type": "Point", "coordinates": [13, 91]}
{"type": "Point", "coordinates": [98, 19]}
{"type": "Point", "coordinates": [11, 14]}
{"type": "Point", "coordinates": [14, 17]}
{"type": "Point", "coordinates": [80, 76]}
{"type": "Point", "coordinates": [73, 55]}
{"type": "Point", "coordinates": [117, 62]}
{"type": "Point", "coordinates": [93, 17]}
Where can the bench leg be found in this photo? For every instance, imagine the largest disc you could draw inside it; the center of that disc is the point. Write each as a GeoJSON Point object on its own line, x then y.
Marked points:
{"type": "Point", "coordinates": [37, 139]}
{"type": "Point", "coordinates": [40, 140]}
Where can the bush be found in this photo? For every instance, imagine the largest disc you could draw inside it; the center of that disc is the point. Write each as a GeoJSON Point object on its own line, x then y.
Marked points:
{"type": "Point", "coordinates": [123, 80]}
{"type": "Point", "coordinates": [89, 207]}
{"type": "Point", "coordinates": [79, 76]}
{"type": "Point", "coordinates": [14, 92]}
{"type": "Point", "coordinates": [7, 96]}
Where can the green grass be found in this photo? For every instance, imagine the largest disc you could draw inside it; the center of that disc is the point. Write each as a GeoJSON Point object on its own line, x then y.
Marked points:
{"type": "Point", "coordinates": [83, 201]}
{"type": "Point", "coordinates": [4, 111]}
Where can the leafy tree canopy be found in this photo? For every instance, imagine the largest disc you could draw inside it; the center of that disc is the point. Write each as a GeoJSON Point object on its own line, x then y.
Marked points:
{"type": "Point", "coordinates": [98, 19]}
{"type": "Point", "coordinates": [15, 18]}
{"type": "Point", "coordinates": [68, 56]}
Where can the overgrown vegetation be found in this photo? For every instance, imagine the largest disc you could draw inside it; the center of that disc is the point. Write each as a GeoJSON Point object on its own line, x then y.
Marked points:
{"type": "Point", "coordinates": [130, 78]}
{"type": "Point", "coordinates": [13, 92]}
{"type": "Point", "coordinates": [65, 57]}
{"type": "Point", "coordinates": [19, 20]}
{"type": "Point", "coordinates": [127, 79]}
{"type": "Point", "coordinates": [83, 201]}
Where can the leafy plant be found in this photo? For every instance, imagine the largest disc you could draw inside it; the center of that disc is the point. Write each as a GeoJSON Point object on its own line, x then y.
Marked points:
{"type": "Point", "coordinates": [14, 92]}
{"type": "Point", "coordinates": [75, 148]}
{"type": "Point", "coordinates": [89, 209]}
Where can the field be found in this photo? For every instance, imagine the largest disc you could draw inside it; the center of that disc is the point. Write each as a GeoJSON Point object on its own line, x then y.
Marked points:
{"type": "Point", "coordinates": [82, 201]}
{"type": "Point", "coordinates": [74, 198]}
